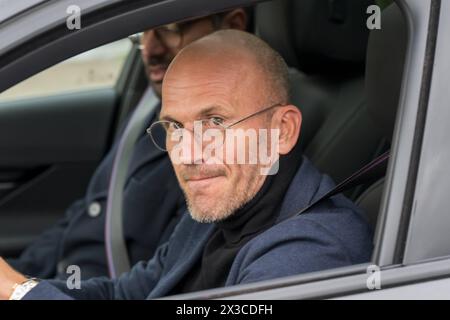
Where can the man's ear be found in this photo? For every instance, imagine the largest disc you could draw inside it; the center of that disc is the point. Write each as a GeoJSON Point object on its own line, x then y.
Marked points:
{"type": "Point", "coordinates": [289, 121]}
{"type": "Point", "coordinates": [235, 19]}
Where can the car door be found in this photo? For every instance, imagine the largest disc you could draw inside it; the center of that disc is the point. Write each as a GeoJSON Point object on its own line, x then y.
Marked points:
{"type": "Point", "coordinates": [55, 127]}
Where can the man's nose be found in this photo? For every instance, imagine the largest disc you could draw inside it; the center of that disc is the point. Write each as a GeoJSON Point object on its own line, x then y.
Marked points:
{"type": "Point", "coordinates": [152, 45]}
{"type": "Point", "coordinates": [192, 152]}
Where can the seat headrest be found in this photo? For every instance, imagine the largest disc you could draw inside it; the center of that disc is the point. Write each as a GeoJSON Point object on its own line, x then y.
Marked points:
{"type": "Point", "coordinates": [384, 69]}
{"type": "Point", "coordinates": [316, 36]}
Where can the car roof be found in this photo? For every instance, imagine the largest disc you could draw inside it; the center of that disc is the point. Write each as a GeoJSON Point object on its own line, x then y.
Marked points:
{"type": "Point", "coordinates": [9, 9]}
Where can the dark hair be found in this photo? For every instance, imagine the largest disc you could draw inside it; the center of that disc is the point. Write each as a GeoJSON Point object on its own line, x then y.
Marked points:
{"type": "Point", "coordinates": [218, 18]}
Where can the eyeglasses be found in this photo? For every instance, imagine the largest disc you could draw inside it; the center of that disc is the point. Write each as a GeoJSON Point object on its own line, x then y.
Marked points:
{"type": "Point", "coordinates": [171, 35]}
{"type": "Point", "coordinates": [162, 132]}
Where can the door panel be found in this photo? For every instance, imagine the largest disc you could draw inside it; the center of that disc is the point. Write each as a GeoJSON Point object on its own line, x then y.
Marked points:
{"type": "Point", "coordinates": [37, 203]}
{"type": "Point", "coordinates": [55, 127]}
{"type": "Point", "coordinates": [64, 128]}
{"type": "Point", "coordinates": [49, 147]}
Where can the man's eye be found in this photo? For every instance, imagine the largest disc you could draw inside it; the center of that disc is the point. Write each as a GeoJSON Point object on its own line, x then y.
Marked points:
{"type": "Point", "coordinates": [216, 121]}
{"type": "Point", "coordinates": [172, 126]}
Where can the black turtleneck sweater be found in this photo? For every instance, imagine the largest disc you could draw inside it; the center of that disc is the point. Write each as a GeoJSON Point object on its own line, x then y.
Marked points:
{"type": "Point", "coordinates": [259, 214]}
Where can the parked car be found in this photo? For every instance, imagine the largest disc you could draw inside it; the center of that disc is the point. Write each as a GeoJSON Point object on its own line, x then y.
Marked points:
{"type": "Point", "coordinates": [369, 77]}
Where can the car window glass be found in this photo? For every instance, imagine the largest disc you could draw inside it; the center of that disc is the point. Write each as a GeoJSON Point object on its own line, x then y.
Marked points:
{"type": "Point", "coordinates": [94, 69]}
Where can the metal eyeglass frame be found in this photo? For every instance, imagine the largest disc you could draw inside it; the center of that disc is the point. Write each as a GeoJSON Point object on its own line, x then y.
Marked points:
{"type": "Point", "coordinates": [223, 127]}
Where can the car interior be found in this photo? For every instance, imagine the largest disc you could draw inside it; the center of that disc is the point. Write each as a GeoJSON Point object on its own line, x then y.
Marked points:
{"type": "Point", "coordinates": [345, 78]}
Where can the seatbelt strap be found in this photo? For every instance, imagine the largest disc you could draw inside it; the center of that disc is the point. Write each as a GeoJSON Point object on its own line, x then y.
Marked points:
{"type": "Point", "coordinates": [370, 171]}
{"type": "Point", "coordinates": [116, 249]}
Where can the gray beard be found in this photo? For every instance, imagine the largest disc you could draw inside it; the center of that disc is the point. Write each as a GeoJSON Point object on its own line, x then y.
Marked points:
{"type": "Point", "coordinates": [225, 207]}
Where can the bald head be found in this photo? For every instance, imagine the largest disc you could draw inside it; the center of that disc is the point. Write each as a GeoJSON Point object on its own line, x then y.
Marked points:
{"type": "Point", "coordinates": [240, 55]}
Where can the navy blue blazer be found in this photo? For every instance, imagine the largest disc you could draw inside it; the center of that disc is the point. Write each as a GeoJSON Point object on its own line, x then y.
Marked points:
{"type": "Point", "coordinates": [153, 204]}
{"type": "Point", "coordinates": [332, 234]}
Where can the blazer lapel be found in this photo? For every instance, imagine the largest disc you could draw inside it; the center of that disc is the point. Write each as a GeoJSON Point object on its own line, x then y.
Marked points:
{"type": "Point", "coordinates": [304, 188]}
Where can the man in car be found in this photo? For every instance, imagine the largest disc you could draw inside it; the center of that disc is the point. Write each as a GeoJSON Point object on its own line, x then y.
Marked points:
{"type": "Point", "coordinates": [151, 208]}
{"type": "Point", "coordinates": [241, 225]}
